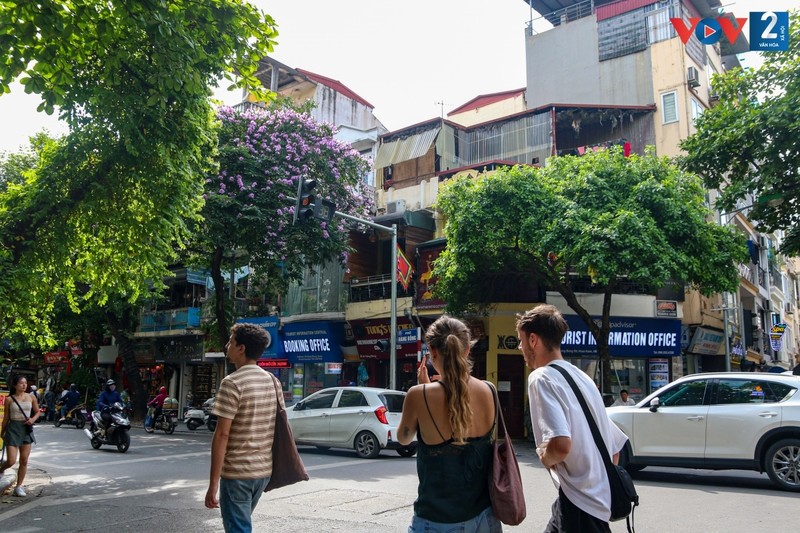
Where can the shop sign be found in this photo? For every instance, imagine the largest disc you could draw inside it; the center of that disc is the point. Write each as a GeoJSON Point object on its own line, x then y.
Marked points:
{"type": "Point", "coordinates": [182, 349]}
{"type": "Point", "coordinates": [313, 342]}
{"type": "Point", "coordinates": [274, 363]}
{"type": "Point", "coordinates": [270, 325]}
{"type": "Point", "coordinates": [333, 368]}
{"type": "Point", "coordinates": [507, 342]}
{"type": "Point", "coordinates": [427, 281]}
{"type": "Point", "coordinates": [666, 308]}
{"type": "Point", "coordinates": [706, 341]}
{"type": "Point", "coordinates": [368, 332]}
{"type": "Point", "coordinates": [629, 337]}
{"type": "Point", "coordinates": [56, 358]}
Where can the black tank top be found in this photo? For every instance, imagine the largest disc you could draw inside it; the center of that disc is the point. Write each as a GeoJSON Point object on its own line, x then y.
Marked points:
{"type": "Point", "coordinates": [453, 479]}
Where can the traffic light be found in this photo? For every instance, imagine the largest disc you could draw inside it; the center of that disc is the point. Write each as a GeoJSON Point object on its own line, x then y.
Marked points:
{"type": "Point", "coordinates": [306, 201]}
{"type": "Point", "coordinates": [382, 345]}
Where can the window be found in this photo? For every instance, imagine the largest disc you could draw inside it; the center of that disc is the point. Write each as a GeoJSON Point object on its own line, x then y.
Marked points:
{"type": "Point", "coordinates": [696, 108]}
{"type": "Point", "coordinates": [393, 402]}
{"type": "Point", "coordinates": [352, 398]}
{"type": "Point", "coordinates": [323, 400]}
{"type": "Point", "coordinates": [689, 393]}
{"type": "Point", "coordinates": [669, 107]}
{"type": "Point", "coordinates": [730, 391]}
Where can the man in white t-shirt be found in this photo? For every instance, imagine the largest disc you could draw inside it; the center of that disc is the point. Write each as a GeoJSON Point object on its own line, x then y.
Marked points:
{"type": "Point", "coordinates": [563, 438]}
{"type": "Point", "coordinates": [623, 399]}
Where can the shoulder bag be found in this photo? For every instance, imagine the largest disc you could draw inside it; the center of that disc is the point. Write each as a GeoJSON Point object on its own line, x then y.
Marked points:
{"type": "Point", "coordinates": [505, 483]}
{"type": "Point", "coordinates": [28, 427]}
{"type": "Point", "coordinates": [623, 493]}
{"type": "Point", "coordinates": [287, 466]}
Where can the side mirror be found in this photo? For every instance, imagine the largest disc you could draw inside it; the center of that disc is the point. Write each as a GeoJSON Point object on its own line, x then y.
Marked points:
{"type": "Point", "coordinates": [299, 406]}
{"type": "Point", "coordinates": [654, 403]}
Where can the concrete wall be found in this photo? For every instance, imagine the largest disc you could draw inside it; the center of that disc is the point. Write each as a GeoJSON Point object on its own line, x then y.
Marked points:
{"type": "Point", "coordinates": [562, 66]}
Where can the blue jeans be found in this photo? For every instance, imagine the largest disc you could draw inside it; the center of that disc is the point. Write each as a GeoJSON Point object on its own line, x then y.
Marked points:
{"type": "Point", "coordinates": [483, 523]}
{"type": "Point", "coordinates": [237, 499]}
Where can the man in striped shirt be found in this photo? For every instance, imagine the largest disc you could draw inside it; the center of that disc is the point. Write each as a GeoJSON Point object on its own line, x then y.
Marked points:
{"type": "Point", "coordinates": [241, 450]}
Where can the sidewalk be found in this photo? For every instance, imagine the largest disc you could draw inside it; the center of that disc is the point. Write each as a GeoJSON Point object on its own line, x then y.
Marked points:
{"type": "Point", "coordinates": [35, 482]}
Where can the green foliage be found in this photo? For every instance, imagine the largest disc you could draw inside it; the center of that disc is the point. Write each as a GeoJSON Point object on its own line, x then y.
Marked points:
{"type": "Point", "coordinates": [601, 215]}
{"type": "Point", "coordinates": [108, 204]}
{"type": "Point", "coordinates": [748, 143]}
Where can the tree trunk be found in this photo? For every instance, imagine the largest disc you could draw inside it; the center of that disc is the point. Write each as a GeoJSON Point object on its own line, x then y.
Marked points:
{"type": "Point", "coordinates": [219, 297]}
{"type": "Point", "coordinates": [119, 326]}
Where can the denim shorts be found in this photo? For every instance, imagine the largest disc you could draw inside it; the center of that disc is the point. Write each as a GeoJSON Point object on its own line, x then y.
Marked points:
{"type": "Point", "coordinates": [237, 500]}
{"type": "Point", "coordinates": [483, 523]}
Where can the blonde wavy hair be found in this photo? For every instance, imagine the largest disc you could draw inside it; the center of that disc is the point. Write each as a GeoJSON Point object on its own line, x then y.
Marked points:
{"type": "Point", "coordinates": [451, 338]}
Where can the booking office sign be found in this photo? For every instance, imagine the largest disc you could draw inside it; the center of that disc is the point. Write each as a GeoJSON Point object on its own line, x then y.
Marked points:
{"type": "Point", "coordinates": [769, 30]}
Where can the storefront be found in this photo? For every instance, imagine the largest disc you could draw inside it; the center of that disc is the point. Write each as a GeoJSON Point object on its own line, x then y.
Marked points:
{"type": "Point", "coordinates": [372, 339]}
{"type": "Point", "coordinates": [642, 351]}
{"type": "Point", "coordinates": [314, 352]}
{"type": "Point", "coordinates": [176, 358]}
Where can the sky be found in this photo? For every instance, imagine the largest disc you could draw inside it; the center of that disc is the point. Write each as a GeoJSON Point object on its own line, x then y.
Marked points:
{"type": "Point", "coordinates": [412, 60]}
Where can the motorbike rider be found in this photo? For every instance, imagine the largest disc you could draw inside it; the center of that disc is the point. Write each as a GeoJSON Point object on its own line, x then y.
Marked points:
{"type": "Point", "coordinates": [70, 399]}
{"type": "Point", "coordinates": [107, 398]}
{"type": "Point", "coordinates": [158, 403]}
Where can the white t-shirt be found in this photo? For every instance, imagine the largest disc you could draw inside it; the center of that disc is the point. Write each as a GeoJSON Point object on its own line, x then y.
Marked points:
{"type": "Point", "coordinates": [618, 402]}
{"type": "Point", "coordinates": [555, 412]}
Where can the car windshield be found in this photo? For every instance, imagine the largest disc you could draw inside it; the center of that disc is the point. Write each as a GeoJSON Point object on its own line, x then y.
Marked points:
{"type": "Point", "coordinates": [393, 402]}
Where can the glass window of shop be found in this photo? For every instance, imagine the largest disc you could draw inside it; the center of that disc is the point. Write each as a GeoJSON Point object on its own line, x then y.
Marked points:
{"type": "Point", "coordinates": [318, 376]}
{"type": "Point", "coordinates": [628, 374]}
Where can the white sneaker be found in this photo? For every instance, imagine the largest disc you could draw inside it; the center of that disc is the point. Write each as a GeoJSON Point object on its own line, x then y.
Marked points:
{"type": "Point", "coordinates": [19, 491]}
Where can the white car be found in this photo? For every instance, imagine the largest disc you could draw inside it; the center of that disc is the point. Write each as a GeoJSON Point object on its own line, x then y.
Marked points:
{"type": "Point", "coordinates": [362, 418]}
{"type": "Point", "coordinates": [718, 421]}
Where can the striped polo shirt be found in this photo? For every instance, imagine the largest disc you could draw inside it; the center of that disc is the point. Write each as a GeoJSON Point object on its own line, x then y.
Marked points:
{"type": "Point", "coordinates": [248, 398]}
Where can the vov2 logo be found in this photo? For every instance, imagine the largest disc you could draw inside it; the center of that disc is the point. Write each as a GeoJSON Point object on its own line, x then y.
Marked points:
{"type": "Point", "coordinates": [769, 30]}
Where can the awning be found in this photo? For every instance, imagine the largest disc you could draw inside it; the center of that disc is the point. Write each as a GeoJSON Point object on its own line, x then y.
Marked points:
{"type": "Point", "coordinates": [405, 149]}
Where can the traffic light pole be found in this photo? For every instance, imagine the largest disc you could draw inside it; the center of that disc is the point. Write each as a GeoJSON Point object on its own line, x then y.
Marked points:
{"type": "Point", "coordinates": [393, 311]}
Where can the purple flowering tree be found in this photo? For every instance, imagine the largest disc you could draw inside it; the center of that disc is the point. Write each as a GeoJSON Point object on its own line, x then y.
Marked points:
{"type": "Point", "coordinates": [249, 206]}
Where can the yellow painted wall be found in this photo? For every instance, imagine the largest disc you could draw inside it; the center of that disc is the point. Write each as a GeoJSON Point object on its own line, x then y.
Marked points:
{"type": "Point", "coordinates": [501, 325]}
{"type": "Point", "coordinates": [490, 112]}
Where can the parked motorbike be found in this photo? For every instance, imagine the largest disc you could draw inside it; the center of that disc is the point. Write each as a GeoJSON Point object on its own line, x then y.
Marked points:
{"type": "Point", "coordinates": [117, 432]}
{"type": "Point", "coordinates": [195, 418]}
{"type": "Point", "coordinates": [75, 416]}
{"type": "Point", "coordinates": [166, 421]}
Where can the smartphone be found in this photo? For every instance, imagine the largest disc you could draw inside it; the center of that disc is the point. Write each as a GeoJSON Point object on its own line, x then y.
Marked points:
{"type": "Point", "coordinates": [431, 371]}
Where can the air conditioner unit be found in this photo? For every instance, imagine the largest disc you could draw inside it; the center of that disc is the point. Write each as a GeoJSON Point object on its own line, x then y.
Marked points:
{"type": "Point", "coordinates": [789, 308]}
{"type": "Point", "coordinates": [396, 207]}
{"type": "Point", "coordinates": [692, 78]}
{"type": "Point", "coordinates": [763, 241]}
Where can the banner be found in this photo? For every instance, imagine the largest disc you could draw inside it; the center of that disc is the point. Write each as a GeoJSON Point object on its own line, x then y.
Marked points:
{"type": "Point", "coordinates": [404, 269]}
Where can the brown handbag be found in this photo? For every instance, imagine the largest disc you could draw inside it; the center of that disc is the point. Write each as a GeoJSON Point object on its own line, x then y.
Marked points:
{"type": "Point", "coordinates": [505, 483]}
{"type": "Point", "coordinates": [287, 466]}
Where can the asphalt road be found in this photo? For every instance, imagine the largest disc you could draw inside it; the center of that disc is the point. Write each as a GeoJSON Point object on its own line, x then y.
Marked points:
{"type": "Point", "coordinates": [160, 483]}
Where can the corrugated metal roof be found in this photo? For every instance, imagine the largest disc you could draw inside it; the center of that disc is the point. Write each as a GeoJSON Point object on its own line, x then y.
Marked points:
{"type": "Point", "coordinates": [406, 149]}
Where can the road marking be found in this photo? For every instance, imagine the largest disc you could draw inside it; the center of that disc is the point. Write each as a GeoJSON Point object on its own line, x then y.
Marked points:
{"type": "Point", "coordinates": [95, 464]}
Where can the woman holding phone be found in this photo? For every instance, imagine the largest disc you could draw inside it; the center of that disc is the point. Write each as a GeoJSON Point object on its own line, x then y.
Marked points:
{"type": "Point", "coordinates": [453, 419]}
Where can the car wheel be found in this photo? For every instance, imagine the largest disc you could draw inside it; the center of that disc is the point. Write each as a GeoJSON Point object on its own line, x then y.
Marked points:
{"type": "Point", "coordinates": [367, 445]}
{"type": "Point", "coordinates": [407, 451]}
{"type": "Point", "coordinates": [625, 458]}
{"type": "Point", "coordinates": [783, 464]}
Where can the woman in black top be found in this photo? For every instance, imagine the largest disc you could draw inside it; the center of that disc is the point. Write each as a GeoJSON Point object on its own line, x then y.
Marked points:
{"type": "Point", "coordinates": [21, 409]}
{"type": "Point", "coordinates": [453, 420]}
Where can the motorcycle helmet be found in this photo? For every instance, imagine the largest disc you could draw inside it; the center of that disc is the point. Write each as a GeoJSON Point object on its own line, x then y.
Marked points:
{"type": "Point", "coordinates": [162, 390]}
{"type": "Point", "coordinates": [109, 382]}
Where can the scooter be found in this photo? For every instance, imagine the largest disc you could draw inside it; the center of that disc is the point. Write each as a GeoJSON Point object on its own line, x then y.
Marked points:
{"type": "Point", "coordinates": [117, 432]}
{"type": "Point", "coordinates": [195, 418]}
{"type": "Point", "coordinates": [211, 419]}
{"type": "Point", "coordinates": [75, 416]}
{"type": "Point", "coordinates": [166, 421]}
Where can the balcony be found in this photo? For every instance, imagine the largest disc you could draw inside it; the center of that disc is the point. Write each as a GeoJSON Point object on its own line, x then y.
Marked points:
{"type": "Point", "coordinates": [370, 288]}
{"type": "Point", "coordinates": [182, 318]}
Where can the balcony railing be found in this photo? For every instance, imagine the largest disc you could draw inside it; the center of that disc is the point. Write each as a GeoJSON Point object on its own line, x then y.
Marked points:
{"type": "Point", "coordinates": [369, 288]}
{"type": "Point", "coordinates": [169, 319]}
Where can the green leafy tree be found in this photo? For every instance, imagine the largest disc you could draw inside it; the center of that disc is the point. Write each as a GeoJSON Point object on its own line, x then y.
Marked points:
{"type": "Point", "coordinates": [249, 209]}
{"type": "Point", "coordinates": [747, 144]}
{"type": "Point", "coordinates": [600, 216]}
{"type": "Point", "coordinates": [108, 204]}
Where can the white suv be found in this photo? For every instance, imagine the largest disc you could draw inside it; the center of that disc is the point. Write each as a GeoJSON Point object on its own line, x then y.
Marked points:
{"type": "Point", "coordinates": [362, 418]}
{"type": "Point", "coordinates": [718, 421]}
